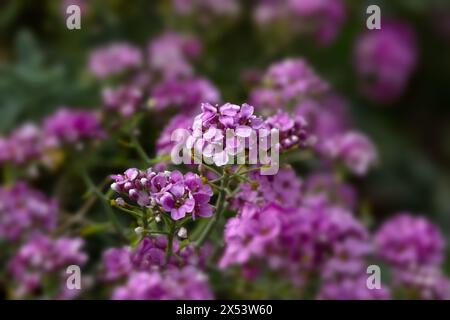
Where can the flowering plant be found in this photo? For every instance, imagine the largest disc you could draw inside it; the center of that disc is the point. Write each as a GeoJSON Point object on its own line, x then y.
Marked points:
{"type": "Point", "coordinates": [183, 178]}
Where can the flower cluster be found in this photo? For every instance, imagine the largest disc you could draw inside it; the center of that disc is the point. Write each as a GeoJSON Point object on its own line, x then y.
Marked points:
{"type": "Point", "coordinates": [42, 259]}
{"type": "Point", "coordinates": [385, 60]}
{"type": "Point", "coordinates": [326, 117]}
{"type": "Point", "coordinates": [320, 238]}
{"type": "Point", "coordinates": [405, 241]}
{"type": "Point", "coordinates": [299, 232]}
{"type": "Point", "coordinates": [24, 210]}
{"type": "Point", "coordinates": [71, 127]}
{"type": "Point", "coordinates": [210, 128]}
{"type": "Point", "coordinates": [22, 145]}
{"type": "Point", "coordinates": [30, 143]}
{"type": "Point", "coordinates": [171, 54]}
{"type": "Point", "coordinates": [149, 255]}
{"type": "Point", "coordinates": [166, 192]}
{"type": "Point", "coordinates": [124, 99]}
{"type": "Point", "coordinates": [320, 19]}
{"type": "Point", "coordinates": [287, 82]}
{"type": "Point", "coordinates": [322, 186]}
{"type": "Point", "coordinates": [352, 289]}
{"type": "Point", "coordinates": [114, 59]}
{"type": "Point", "coordinates": [173, 284]}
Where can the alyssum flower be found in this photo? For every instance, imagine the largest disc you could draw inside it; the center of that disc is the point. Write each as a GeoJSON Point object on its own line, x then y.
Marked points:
{"type": "Point", "coordinates": [166, 192]}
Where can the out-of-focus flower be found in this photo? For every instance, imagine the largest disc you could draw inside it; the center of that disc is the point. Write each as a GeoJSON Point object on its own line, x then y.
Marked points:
{"type": "Point", "coordinates": [186, 94]}
{"type": "Point", "coordinates": [171, 54]}
{"type": "Point", "coordinates": [149, 255]}
{"type": "Point", "coordinates": [42, 259]}
{"type": "Point", "coordinates": [164, 144]}
{"type": "Point", "coordinates": [405, 241]}
{"type": "Point", "coordinates": [321, 19]}
{"type": "Point", "coordinates": [114, 59]}
{"type": "Point", "coordinates": [287, 83]}
{"type": "Point", "coordinates": [353, 149]}
{"type": "Point", "coordinates": [116, 263]}
{"type": "Point", "coordinates": [249, 234]}
{"type": "Point", "coordinates": [166, 192]}
{"type": "Point", "coordinates": [174, 284]}
{"type": "Point", "coordinates": [283, 188]}
{"type": "Point", "coordinates": [209, 131]}
{"type": "Point", "coordinates": [351, 288]}
{"type": "Point", "coordinates": [24, 210]}
{"type": "Point", "coordinates": [125, 99]}
{"type": "Point", "coordinates": [82, 4]}
{"type": "Point", "coordinates": [385, 60]}
{"type": "Point", "coordinates": [422, 282]}
{"type": "Point", "coordinates": [72, 127]}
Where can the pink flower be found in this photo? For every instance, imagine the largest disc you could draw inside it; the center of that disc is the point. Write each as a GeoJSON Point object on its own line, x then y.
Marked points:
{"type": "Point", "coordinates": [385, 59]}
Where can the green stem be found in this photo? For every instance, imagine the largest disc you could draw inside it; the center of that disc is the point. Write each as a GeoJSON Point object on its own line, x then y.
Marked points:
{"type": "Point", "coordinates": [133, 213]}
{"type": "Point", "coordinates": [220, 205]}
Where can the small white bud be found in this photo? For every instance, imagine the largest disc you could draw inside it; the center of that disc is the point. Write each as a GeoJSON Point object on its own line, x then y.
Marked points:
{"type": "Point", "coordinates": [182, 233]}
{"type": "Point", "coordinates": [158, 218]}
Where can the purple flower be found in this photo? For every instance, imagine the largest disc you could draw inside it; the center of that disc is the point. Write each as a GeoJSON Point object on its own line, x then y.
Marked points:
{"type": "Point", "coordinates": [321, 19]}
{"type": "Point", "coordinates": [353, 149]}
{"type": "Point", "coordinates": [249, 234]}
{"type": "Point", "coordinates": [326, 186]}
{"type": "Point", "coordinates": [171, 54]}
{"type": "Point", "coordinates": [326, 117]}
{"type": "Point", "coordinates": [24, 210]}
{"type": "Point", "coordinates": [385, 60]}
{"type": "Point", "coordinates": [210, 129]}
{"type": "Point", "coordinates": [42, 259]}
{"type": "Point", "coordinates": [173, 284]}
{"type": "Point", "coordinates": [149, 255]}
{"type": "Point", "coordinates": [422, 282]}
{"type": "Point", "coordinates": [114, 59]}
{"type": "Point", "coordinates": [71, 127]}
{"type": "Point", "coordinates": [405, 241]}
{"type": "Point", "coordinates": [164, 144]}
{"type": "Point", "coordinates": [283, 188]}
{"type": "Point", "coordinates": [186, 94]}
{"type": "Point", "coordinates": [116, 263]}
{"type": "Point", "coordinates": [291, 129]}
{"type": "Point", "coordinates": [287, 83]}
{"type": "Point", "coordinates": [207, 8]}
{"type": "Point", "coordinates": [124, 99]}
